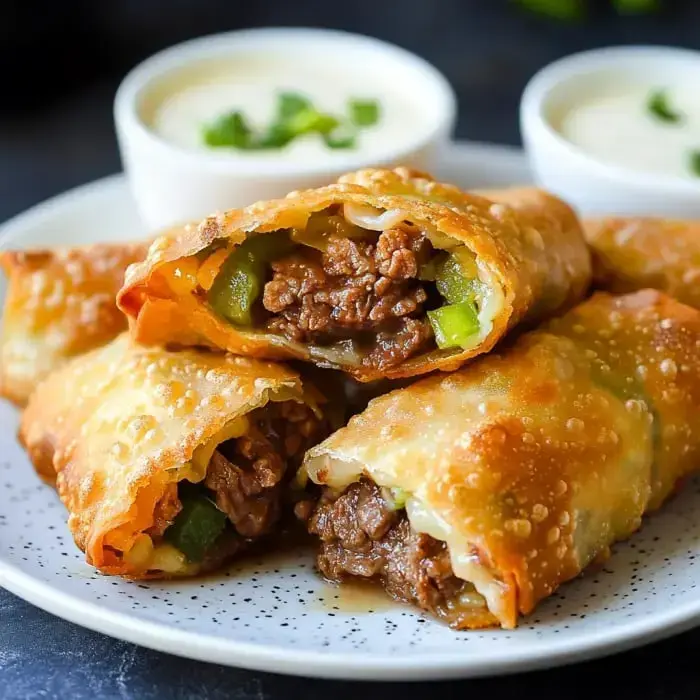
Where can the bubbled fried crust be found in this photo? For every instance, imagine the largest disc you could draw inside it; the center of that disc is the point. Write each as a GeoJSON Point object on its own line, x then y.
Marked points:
{"type": "Point", "coordinates": [60, 303]}
{"type": "Point", "coordinates": [537, 258]}
{"type": "Point", "coordinates": [546, 453]}
{"type": "Point", "coordinates": [116, 424]}
{"type": "Point", "coordinates": [636, 253]}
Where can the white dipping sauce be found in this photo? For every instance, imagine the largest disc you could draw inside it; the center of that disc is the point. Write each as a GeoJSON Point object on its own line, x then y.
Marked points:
{"type": "Point", "coordinates": [620, 129]}
{"type": "Point", "coordinates": [251, 85]}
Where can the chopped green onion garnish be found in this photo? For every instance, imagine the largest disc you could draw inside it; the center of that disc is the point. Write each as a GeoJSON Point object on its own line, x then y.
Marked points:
{"type": "Point", "coordinates": [295, 116]}
{"type": "Point", "coordinates": [340, 138]}
{"type": "Point", "coordinates": [278, 135]}
{"type": "Point", "coordinates": [309, 121]}
{"type": "Point", "coordinates": [658, 105]}
{"type": "Point", "coordinates": [228, 130]}
{"type": "Point", "coordinates": [364, 112]}
{"type": "Point", "coordinates": [291, 103]}
{"type": "Point", "coordinates": [695, 162]}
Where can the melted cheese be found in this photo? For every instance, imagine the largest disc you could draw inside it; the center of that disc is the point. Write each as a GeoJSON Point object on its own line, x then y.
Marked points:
{"type": "Point", "coordinates": [487, 590]}
{"type": "Point", "coordinates": [203, 454]}
{"type": "Point", "coordinates": [144, 555]}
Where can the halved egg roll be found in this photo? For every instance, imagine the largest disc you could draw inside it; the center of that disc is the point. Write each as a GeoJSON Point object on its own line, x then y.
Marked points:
{"type": "Point", "coordinates": [60, 303]}
{"type": "Point", "coordinates": [169, 463]}
{"type": "Point", "coordinates": [385, 274]}
{"type": "Point", "coordinates": [475, 495]}
{"type": "Point", "coordinates": [637, 253]}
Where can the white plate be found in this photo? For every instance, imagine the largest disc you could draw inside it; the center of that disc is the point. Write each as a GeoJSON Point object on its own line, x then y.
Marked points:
{"type": "Point", "coordinates": [268, 615]}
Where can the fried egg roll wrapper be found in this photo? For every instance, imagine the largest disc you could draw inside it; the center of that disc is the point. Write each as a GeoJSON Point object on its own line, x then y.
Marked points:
{"type": "Point", "coordinates": [123, 426]}
{"type": "Point", "coordinates": [637, 253]}
{"type": "Point", "coordinates": [60, 303]}
{"type": "Point", "coordinates": [531, 462]}
{"type": "Point", "coordinates": [528, 261]}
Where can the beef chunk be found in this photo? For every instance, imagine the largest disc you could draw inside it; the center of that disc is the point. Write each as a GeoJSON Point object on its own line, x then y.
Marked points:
{"type": "Point", "coordinates": [355, 286]}
{"type": "Point", "coordinates": [165, 512]}
{"type": "Point", "coordinates": [362, 535]}
{"type": "Point", "coordinates": [248, 475]}
{"type": "Point", "coordinates": [248, 495]}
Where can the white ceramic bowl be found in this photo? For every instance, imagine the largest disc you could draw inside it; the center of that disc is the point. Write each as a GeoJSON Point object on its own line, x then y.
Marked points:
{"type": "Point", "coordinates": [591, 185]}
{"type": "Point", "coordinates": [172, 184]}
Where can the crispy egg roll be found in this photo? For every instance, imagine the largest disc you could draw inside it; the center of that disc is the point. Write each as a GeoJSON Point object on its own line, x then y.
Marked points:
{"type": "Point", "coordinates": [169, 463]}
{"type": "Point", "coordinates": [637, 253]}
{"type": "Point", "coordinates": [475, 495]}
{"type": "Point", "coordinates": [60, 303]}
{"type": "Point", "coordinates": [385, 274]}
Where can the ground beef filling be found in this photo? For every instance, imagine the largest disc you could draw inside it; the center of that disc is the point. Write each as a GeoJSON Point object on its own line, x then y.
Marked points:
{"type": "Point", "coordinates": [362, 535]}
{"type": "Point", "coordinates": [249, 476]}
{"type": "Point", "coordinates": [361, 290]}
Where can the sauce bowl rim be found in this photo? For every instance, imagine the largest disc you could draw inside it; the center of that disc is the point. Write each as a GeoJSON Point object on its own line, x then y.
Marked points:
{"type": "Point", "coordinates": [179, 56]}
{"type": "Point", "coordinates": [536, 127]}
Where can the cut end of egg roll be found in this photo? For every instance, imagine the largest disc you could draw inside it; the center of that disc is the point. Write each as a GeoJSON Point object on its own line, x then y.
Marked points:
{"type": "Point", "coordinates": [385, 274]}
{"type": "Point", "coordinates": [170, 463]}
{"type": "Point", "coordinates": [60, 303]}
{"type": "Point", "coordinates": [476, 495]}
{"type": "Point", "coordinates": [637, 253]}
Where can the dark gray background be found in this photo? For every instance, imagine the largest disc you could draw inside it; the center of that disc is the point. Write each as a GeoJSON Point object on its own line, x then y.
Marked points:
{"type": "Point", "coordinates": [60, 64]}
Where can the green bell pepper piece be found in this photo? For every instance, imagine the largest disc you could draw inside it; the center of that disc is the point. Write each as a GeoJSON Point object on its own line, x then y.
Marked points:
{"type": "Point", "coordinates": [455, 278]}
{"type": "Point", "coordinates": [428, 271]}
{"type": "Point", "coordinates": [454, 325]}
{"type": "Point", "coordinates": [196, 527]}
{"type": "Point", "coordinates": [242, 276]}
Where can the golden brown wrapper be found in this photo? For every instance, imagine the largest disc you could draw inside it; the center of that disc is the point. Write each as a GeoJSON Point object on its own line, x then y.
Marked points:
{"type": "Point", "coordinates": [533, 257]}
{"type": "Point", "coordinates": [531, 462]}
{"type": "Point", "coordinates": [60, 303]}
{"type": "Point", "coordinates": [636, 253]}
{"type": "Point", "coordinates": [119, 426]}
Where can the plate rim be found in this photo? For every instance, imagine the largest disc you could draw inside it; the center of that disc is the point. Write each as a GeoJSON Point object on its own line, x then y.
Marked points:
{"type": "Point", "coordinates": [309, 663]}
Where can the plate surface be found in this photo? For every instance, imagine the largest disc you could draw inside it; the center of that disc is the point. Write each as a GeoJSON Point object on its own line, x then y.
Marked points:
{"type": "Point", "coordinates": [275, 614]}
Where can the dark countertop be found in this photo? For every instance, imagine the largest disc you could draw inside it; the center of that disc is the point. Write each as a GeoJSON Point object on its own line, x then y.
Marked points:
{"type": "Point", "coordinates": [488, 55]}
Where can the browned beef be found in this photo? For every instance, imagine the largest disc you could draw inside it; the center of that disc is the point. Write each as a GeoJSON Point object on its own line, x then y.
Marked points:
{"type": "Point", "coordinates": [361, 535]}
{"type": "Point", "coordinates": [247, 474]}
{"type": "Point", "coordinates": [354, 286]}
{"type": "Point", "coordinates": [393, 346]}
{"type": "Point", "coordinates": [165, 511]}
{"type": "Point", "coordinates": [249, 498]}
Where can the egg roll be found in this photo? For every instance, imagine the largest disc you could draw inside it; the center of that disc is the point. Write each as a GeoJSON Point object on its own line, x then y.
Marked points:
{"type": "Point", "coordinates": [476, 495]}
{"type": "Point", "coordinates": [385, 274]}
{"type": "Point", "coordinates": [637, 253]}
{"type": "Point", "coordinates": [170, 463]}
{"type": "Point", "coordinates": [60, 303]}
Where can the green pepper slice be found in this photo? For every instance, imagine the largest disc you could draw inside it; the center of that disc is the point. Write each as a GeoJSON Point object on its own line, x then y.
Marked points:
{"type": "Point", "coordinates": [456, 278]}
{"type": "Point", "coordinates": [240, 281]}
{"type": "Point", "coordinates": [454, 325]}
{"type": "Point", "coordinates": [196, 527]}
{"type": "Point", "coordinates": [428, 271]}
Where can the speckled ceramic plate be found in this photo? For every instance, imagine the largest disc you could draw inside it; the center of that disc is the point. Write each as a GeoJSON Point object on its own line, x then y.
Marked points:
{"type": "Point", "coordinates": [275, 614]}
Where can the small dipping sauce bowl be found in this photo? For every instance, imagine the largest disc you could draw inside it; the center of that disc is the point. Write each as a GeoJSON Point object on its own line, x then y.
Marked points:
{"type": "Point", "coordinates": [616, 131]}
{"type": "Point", "coordinates": [195, 122]}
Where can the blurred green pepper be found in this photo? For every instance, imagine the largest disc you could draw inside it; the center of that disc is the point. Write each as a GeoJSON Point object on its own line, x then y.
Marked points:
{"type": "Point", "coordinates": [196, 527]}
{"type": "Point", "coordinates": [456, 277]}
{"type": "Point", "coordinates": [242, 276]}
{"type": "Point", "coordinates": [454, 325]}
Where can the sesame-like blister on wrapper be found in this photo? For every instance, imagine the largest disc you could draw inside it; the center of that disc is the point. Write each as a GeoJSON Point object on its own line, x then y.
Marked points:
{"type": "Point", "coordinates": [637, 253]}
{"type": "Point", "coordinates": [138, 438]}
{"type": "Point", "coordinates": [526, 466]}
{"type": "Point", "coordinates": [355, 286]}
{"type": "Point", "coordinates": [60, 303]}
